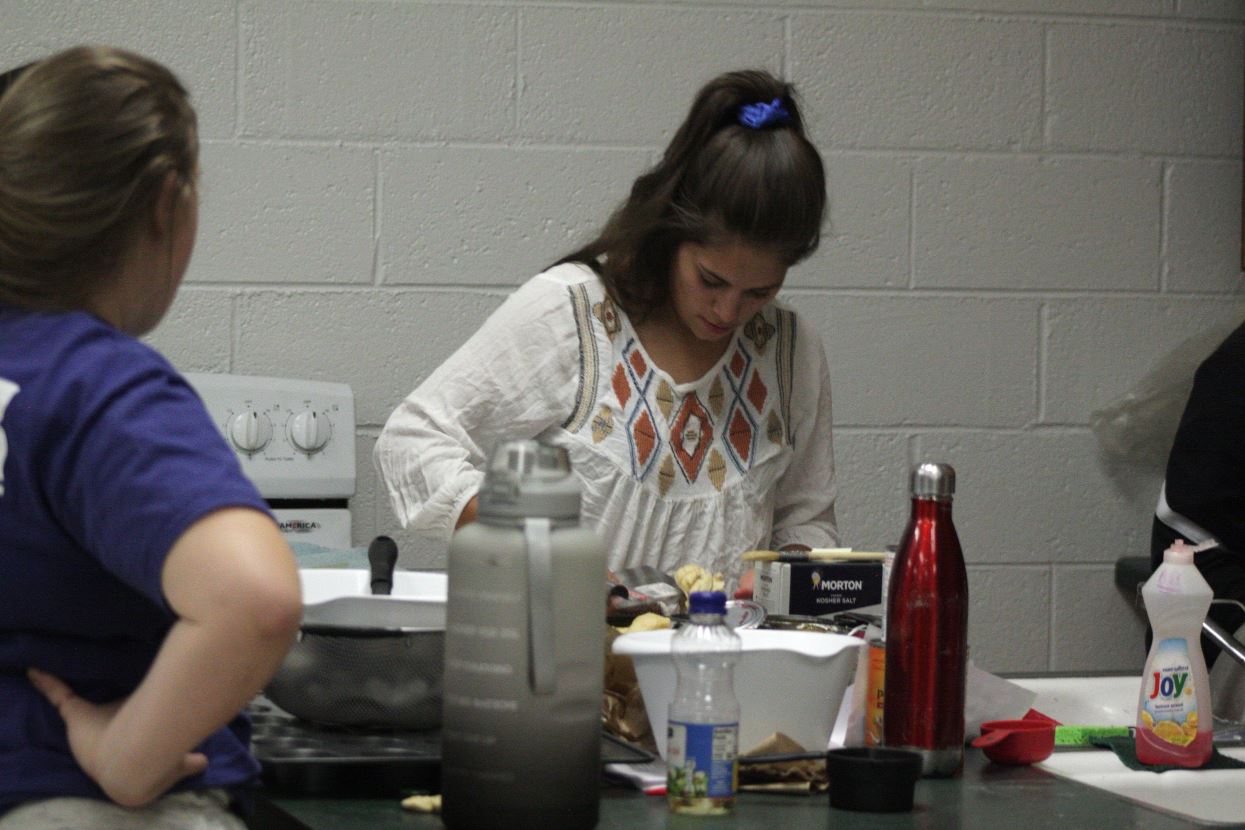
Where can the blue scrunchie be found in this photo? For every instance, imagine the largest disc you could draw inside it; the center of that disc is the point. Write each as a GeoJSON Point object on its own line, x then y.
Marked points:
{"type": "Point", "coordinates": [761, 114]}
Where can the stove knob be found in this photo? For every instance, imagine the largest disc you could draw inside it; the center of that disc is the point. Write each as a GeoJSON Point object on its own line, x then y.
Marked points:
{"type": "Point", "coordinates": [250, 431]}
{"type": "Point", "coordinates": [310, 431]}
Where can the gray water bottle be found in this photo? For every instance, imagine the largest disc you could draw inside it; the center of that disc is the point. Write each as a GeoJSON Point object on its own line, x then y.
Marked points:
{"type": "Point", "coordinates": [524, 652]}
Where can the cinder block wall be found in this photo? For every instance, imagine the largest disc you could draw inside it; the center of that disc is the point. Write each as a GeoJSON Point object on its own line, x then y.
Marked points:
{"type": "Point", "coordinates": [1034, 201]}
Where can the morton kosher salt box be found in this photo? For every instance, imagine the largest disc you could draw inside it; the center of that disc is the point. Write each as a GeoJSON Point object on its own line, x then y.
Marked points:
{"type": "Point", "coordinates": [817, 588]}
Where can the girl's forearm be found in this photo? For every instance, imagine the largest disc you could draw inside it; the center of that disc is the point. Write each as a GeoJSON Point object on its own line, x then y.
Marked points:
{"type": "Point", "coordinates": [203, 675]}
{"type": "Point", "coordinates": [233, 583]}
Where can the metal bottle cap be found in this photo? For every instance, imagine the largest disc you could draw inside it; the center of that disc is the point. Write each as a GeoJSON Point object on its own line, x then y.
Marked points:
{"type": "Point", "coordinates": [932, 480]}
{"type": "Point", "coordinates": [529, 479]}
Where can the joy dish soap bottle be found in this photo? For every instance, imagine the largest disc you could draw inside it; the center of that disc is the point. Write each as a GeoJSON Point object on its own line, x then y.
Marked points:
{"type": "Point", "coordinates": [927, 630]}
{"type": "Point", "coordinates": [1174, 723]}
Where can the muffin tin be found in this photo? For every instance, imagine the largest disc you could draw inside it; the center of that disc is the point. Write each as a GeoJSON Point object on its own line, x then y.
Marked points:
{"type": "Point", "coordinates": [303, 758]}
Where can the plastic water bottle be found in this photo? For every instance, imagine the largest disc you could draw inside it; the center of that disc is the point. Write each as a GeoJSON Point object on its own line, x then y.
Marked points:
{"type": "Point", "coordinates": [927, 630]}
{"type": "Point", "coordinates": [702, 732]}
{"type": "Point", "coordinates": [1173, 712]}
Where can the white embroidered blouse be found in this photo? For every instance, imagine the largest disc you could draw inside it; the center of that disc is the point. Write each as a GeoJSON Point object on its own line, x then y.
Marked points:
{"type": "Point", "coordinates": [740, 459]}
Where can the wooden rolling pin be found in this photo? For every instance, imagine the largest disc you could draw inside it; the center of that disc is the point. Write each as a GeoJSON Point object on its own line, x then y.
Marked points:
{"type": "Point", "coordinates": [814, 555]}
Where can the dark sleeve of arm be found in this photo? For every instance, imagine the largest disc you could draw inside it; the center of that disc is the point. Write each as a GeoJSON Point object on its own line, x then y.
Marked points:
{"type": "Point", "coordinates": [1206, 469]}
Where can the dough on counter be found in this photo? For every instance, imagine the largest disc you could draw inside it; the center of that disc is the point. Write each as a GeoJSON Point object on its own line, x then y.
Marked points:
{"type": "Point", "coordinates": [692, 577]}
{"type": "Point", "coordinates": [647, 621]}
{"type": "Point", "coordinates": [422, 803]}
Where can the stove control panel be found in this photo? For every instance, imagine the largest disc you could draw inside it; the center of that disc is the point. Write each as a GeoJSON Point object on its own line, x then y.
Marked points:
{"type": "Point", "coordinates": [294, 438]}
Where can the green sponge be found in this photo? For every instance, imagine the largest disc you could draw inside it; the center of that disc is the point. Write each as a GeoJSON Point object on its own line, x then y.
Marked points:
{"type": "Point", "coordinates": [1085, 735]}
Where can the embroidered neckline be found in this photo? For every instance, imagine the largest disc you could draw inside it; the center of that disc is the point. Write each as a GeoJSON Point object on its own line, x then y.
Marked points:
{"type": "Point", "coordinates": [709, 429]}
{"type": "Point", "coordinates": [682, 389]}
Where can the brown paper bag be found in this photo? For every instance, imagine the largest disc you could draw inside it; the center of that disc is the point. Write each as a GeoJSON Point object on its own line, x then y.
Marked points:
{"type": "Point", "coordinates": [622, 705]}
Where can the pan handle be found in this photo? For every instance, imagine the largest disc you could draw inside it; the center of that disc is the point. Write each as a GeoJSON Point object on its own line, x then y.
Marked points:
{"type": "Point", "coordinates": [382, 555]}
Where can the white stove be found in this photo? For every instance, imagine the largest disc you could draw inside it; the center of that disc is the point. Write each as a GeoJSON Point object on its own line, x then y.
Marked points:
{"type": "Point", "coordinates": [295, 440]}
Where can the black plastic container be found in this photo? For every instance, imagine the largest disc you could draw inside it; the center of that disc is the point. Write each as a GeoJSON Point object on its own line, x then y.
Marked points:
{"type": "Point", "coordinates": [872, 779]}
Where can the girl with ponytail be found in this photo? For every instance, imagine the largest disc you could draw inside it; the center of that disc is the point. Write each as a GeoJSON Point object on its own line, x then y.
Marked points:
{"type": "Point", "coordinates": [694, 405]}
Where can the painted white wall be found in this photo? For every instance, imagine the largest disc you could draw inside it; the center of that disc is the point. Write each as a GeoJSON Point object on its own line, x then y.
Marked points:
{"type": "Point", "coordinates": [1034, 201]}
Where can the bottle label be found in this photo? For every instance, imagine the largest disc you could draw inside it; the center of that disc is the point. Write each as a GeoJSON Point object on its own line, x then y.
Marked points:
{"type": "Point", "coordinates": [700, 758]}
{"type": "Point", "coordinates": [1168, 697]}
{"type": "Point", "coordinates": [875, 688]}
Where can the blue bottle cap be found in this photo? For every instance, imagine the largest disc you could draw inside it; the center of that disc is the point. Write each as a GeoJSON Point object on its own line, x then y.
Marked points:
{"type": "Point", "coordinates": [707, 602]}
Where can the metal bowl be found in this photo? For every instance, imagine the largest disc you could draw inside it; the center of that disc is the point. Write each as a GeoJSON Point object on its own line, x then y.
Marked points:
{"type": "Point", "coordinates": [381, 678]}
{"type": "Point", "coordinates": [362, 660]}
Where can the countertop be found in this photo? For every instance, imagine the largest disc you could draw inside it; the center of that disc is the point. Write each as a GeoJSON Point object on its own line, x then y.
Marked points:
{"type": "Point", "coordinates": [986, 796]}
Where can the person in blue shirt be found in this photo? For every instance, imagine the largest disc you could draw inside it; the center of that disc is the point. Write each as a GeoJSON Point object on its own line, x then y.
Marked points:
{"type": "Point", "coordinates": [146, 593]}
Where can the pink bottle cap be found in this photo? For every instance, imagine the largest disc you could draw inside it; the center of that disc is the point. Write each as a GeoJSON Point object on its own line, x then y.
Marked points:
{"type": "Point", "coordinates": [1180, 553]}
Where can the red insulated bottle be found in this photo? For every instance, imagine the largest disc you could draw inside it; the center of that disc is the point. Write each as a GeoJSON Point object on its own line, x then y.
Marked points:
{"type": "Point", "coordinates": [927, 630]}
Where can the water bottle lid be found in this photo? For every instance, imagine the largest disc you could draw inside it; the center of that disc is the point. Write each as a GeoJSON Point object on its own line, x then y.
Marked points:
{"type": "Point", "coordinates": [1179, 553]}
{"type": "Point", "coordinates": [932, 480]}
{"type": "Point", "coordinates": [707, 602]}
{"type": "Point", "coordinates": [529, 479]}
